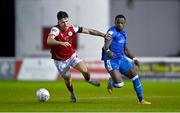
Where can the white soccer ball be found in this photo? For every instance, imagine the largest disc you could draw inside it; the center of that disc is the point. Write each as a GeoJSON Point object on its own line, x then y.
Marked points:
{"type": "Point", "coordinates": [42, 95]}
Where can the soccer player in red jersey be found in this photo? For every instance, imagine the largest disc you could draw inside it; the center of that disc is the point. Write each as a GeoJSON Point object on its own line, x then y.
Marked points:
{"type": "Point", "coordinates": [60, 40]}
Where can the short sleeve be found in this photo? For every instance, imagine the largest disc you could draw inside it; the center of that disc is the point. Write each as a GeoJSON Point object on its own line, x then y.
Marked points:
{"type": "Point", "coordinates": [111, 33]}
{"type": "Point", "coordinates": [76, 28]}
{"type": "Point", "coordinates": [54, 31]}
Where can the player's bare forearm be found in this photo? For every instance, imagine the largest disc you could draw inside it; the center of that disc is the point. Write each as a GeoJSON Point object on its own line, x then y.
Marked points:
{"type": "Point", "coordinates": [53, 42]}
{"type": "Point", "coordinates": [127, 53]}
{"type": "Point", "coordinates": [96, 33]}
{"type": "Point", "coordinates": [107, 44]}
{"type": "Point", "coordinates": [109, 53]}
{"type": "Point", "coordinates": [92, 32]}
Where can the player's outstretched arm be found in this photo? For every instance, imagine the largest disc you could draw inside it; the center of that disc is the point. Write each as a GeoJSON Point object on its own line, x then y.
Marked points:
{"type": "Point", "coordinates": [95, 33]}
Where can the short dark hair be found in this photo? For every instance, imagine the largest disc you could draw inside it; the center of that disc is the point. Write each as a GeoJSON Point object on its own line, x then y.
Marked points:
{"type": "Point", "coordinates": [120, 16]}
{"type": "Point", "coordinates": [62, 14]}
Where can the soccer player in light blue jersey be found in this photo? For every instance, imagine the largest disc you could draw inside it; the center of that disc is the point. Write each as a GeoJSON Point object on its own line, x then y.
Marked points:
{"type": "Point", "coordinates": [115, 53]}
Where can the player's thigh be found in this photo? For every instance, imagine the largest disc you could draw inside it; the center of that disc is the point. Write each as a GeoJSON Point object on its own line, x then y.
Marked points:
{"type": "Point", "coordinates": [127, 68]}
{"type": "Point", "coordinates": [112, 66]}
{"type": "Point", "coordinates": [131, 73]}
{"type": "Point", "coordinates": [81, 66]}
{"type": "Point", "coordinates": [116, 76]}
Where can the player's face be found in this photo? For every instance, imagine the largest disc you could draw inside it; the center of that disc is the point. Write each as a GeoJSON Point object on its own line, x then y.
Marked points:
{"type": "Point", "coordinates": [64, 23]}
{"type": "Point", "coordinates": [120, 23]}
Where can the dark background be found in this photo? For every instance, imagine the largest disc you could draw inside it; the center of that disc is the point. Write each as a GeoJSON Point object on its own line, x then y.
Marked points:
{"type": "Point", "coordinates": [7, 43]}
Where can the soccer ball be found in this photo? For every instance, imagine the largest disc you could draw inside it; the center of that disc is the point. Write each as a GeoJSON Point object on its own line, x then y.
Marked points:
{"type": "Point", "coordinates": [42, 95]}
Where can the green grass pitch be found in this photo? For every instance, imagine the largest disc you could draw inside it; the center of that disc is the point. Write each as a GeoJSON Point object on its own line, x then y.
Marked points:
{"type": "Point", "coordinates": [19, 96]}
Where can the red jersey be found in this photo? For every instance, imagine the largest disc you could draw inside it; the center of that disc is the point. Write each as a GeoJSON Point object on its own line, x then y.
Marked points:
{"type": "Point", "coordinates": [60, 52]}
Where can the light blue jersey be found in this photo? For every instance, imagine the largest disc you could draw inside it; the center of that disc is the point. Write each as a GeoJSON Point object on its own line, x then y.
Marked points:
{"type": "Point", "coordinates": [118, 62]}
{"type": "Point", "coordinates": [118, 43]}
{"type": "Point", "coordinates": [117, 46]}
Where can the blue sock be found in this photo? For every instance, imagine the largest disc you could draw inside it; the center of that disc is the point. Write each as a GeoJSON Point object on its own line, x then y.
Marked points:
{"type": "Point", "coordinates": [138, 87]}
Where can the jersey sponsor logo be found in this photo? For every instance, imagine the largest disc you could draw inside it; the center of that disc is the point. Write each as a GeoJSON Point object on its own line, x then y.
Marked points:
{"type": "Point", "coordinates": [121, 41]}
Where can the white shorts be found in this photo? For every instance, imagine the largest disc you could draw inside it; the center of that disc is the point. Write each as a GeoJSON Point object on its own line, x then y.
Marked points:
{"type": "Point", "coordinates": [64, 66]}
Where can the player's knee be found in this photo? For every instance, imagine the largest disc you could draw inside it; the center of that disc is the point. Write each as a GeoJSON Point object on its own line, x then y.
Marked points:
{"type": "Point", "coordinates": [84, 71]}
{"type": "Point", "coordinates": [118, 85]}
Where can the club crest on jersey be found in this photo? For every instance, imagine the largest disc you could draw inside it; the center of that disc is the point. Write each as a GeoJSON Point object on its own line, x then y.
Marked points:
{"type": "Point", "coordinates": [70, 33]}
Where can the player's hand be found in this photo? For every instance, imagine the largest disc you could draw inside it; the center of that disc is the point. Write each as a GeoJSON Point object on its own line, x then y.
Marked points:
{"type": "Point", "coordinates": [110, 54]}
{"type": "Point", "coordinates": [136, 62]}
{"type": "Point", "coordinates": [107, 36]}
{"type": "Point", "coordinates": [66, 44]}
